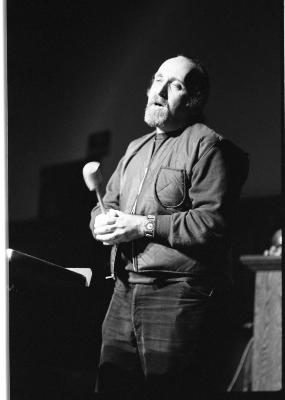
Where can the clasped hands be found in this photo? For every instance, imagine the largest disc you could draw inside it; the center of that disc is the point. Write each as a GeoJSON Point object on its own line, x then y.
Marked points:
{"type": "Point", "coordinates": [116, 227]}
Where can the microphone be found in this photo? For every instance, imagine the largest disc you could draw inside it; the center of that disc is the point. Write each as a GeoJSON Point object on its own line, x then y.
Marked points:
{"type": "Point", "coordinates": [93, 179]}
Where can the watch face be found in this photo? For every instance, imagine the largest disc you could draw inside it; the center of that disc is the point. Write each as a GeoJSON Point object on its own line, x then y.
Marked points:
{"type": "Point", "coordinates": [149, 226]}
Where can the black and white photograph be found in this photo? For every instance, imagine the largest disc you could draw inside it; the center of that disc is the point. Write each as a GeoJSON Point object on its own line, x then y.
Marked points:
{"type": "Point", "coordinates": [144, 212]}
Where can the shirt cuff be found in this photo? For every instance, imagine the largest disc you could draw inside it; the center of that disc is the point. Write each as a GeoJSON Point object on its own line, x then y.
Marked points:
{"type": "Point", "coordinates": [163, 227]}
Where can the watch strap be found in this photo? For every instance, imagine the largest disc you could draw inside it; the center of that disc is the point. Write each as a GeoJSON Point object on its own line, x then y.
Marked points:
{"type": "Point", "coordinates": [149, 226]}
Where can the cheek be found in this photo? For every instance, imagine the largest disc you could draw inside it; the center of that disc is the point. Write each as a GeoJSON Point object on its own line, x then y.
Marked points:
{"type": "Point", "coordinates": [149, 94]}
{"type": "Point", "coordinates": [177, 103]}
{"type": "Point", "coordinates": [150, 91]}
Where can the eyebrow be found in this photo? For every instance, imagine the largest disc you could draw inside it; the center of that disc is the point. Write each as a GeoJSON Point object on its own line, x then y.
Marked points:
{"type": "Point", "coordinates": [159, 75]}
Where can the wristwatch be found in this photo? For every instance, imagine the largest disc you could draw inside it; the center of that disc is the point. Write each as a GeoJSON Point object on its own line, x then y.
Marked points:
{"type": "Point", "coordinates": [149, 226]}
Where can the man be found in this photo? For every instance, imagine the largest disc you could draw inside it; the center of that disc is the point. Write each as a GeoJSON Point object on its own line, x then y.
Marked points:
{"type": "Point", "coordinates": [171, 203]}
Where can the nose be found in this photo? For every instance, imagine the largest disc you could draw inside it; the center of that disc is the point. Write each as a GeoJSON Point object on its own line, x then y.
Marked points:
{"type": "Point", "coordinates": [163, 90]}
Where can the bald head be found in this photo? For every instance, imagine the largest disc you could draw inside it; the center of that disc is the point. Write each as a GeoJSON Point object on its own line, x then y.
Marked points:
{"type": "Point", "coordinates": [179, 67]}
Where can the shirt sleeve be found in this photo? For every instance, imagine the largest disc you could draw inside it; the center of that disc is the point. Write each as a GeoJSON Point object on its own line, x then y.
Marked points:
{"type": "Point", "coordinates": [111, 198]}
{"type": "Point", "coordinates": [212, 193]}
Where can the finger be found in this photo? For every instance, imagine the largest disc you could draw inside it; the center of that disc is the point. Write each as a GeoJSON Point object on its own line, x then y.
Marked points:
{"type": "Point", "coordinates": [119, 213]}
{"type": "Point", "coordinates": [113, 213]}
{"type": "Point", "coordinates": [110, 238]}
{"type": "Point", "coordinates": [103, 230]}
{"type": "Point", "coordinates": [107, 242]}
{"type": "Point", "coordinates": [107, 220]}
{"type": "Point", "coordinates": [104, 221]}
{"type": "Point", "coordinates": [105, 237]}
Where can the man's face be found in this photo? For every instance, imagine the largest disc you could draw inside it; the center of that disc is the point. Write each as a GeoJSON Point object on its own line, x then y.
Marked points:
{"type": "Point", "coordinates": [167, 107]}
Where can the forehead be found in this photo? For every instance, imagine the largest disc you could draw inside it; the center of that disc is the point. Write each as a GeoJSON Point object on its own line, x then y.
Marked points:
{"type": "Point", "coordinates": [175, 68]}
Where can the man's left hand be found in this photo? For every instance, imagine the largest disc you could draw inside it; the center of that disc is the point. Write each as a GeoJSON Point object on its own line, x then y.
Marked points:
{"type": "Point", "coordinates": [125, 228]}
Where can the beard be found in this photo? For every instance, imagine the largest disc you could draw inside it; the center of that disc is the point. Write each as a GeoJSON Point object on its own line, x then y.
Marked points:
{"type": "Point", "coordinates": [156, 115]}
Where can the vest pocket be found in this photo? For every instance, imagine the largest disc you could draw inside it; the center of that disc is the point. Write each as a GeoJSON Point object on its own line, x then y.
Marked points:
{"type": "Point", "coordinates": [170, 187]}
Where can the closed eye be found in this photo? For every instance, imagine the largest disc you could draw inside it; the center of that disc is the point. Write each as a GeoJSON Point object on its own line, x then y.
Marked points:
{"type": "Point", "coordinates": [177, 85]}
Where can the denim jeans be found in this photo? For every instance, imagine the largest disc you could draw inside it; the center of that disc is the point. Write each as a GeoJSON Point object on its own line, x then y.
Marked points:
{"type": "Point", "coordinates": [161, 339]}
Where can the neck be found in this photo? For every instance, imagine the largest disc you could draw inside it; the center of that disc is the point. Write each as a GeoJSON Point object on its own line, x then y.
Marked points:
{"type": "Point", "coordinates": [183, 124]}
{"type": "Point", "coordinates": [171, 128]}
{"type": "Point", "coordinates": [160, 130]}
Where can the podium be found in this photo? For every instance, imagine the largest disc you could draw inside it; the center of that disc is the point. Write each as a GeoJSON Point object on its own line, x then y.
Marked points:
{"type": "Point", "coordinates": [267, 342]}
{"type": "Point", "coordinates": [55, 319]}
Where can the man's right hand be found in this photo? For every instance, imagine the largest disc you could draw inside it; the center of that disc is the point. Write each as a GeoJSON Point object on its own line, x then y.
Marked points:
{"type": "Point", "coordinates": [106, 222]}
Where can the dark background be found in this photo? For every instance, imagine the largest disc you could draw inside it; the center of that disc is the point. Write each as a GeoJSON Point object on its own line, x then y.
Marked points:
{"type": "Point", "coordinates": [77, 78]}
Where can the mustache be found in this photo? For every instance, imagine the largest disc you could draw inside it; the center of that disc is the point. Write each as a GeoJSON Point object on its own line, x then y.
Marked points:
{"type": "Point", "coordinates": [157, 100]}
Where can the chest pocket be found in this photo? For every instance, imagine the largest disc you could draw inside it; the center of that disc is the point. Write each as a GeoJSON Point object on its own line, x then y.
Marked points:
{"type": "Point", "coordinates": [170, 187]}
